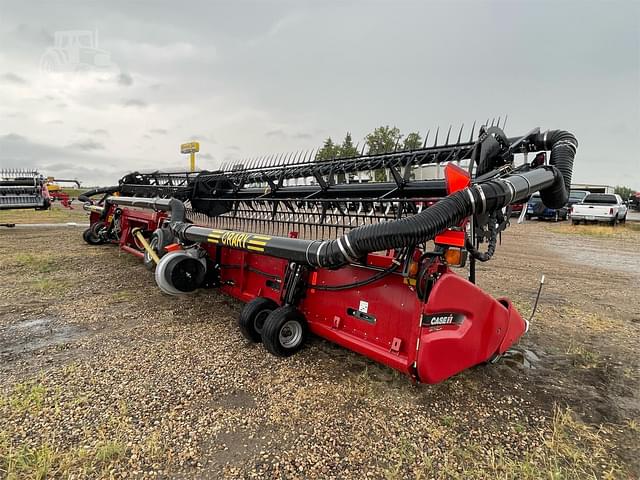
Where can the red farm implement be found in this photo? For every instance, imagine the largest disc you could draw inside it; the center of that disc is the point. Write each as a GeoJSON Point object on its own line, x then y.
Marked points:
{"type": "Point", "coordinates": [312, 248]}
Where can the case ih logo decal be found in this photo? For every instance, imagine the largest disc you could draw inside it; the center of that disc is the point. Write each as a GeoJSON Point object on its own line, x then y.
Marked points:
{"type": "Point", "coordinates": [439, 319]}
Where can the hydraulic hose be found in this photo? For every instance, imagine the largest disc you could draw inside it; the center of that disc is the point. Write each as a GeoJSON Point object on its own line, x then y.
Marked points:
{"type": "Point", "coordinates": [563, 146]}
{"type": "Point", "coordinates": [86, 196]}
{"type": "Point", "coordinates": [486, 197]}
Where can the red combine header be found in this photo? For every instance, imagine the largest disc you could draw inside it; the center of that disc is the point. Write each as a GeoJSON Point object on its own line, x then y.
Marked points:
{"type": "Point", "coordinates": [315, 247]}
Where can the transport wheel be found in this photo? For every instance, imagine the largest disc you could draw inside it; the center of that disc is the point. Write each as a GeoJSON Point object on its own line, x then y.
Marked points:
{"type": "Point", "coordinates": [614, 222]}
{"type": "Point", "coordinates": [624, 219]}
{"type": "Point", "coordinates": [285, 331]}
{"type": "Point", "coordinates": [159, 239]}
{"type": "Point", "coordinates": [253, 316]}
{"type": "Point", "coordinates": [179, 273]}
{"type": "Point", "coordinates": [147, 260]}
{"type": "Point", "coordinates": [527, 217]}
{"type": "Point", "coordinates": [575, 222]}
{"type": "Point", "coordinates": [93, 236]}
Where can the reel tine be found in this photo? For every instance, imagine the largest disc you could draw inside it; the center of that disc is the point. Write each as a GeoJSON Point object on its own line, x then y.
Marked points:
{"type": "Point", "coordinates": [424, 145]}
{"type": "Point", "coordinates": [487, 122]}
{"type": "Point", "coordinates": [435, 142]}
{"type": "Point", "coordinates": [472, 130]}
{"type": "Point", "coordinates": [446, 142]}
{"type": "Point", "coordinates": [460, 133]}
{"type": "Point", "coordinates": [505, 121]}
{"type": "Point", "coordinates": [498, 123]}
{"type": "Point", "coordinates": [492, 120]}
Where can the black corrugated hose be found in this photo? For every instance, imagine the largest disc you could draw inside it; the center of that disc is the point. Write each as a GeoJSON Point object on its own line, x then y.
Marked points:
{"type": "Point", "coordinates": [485, 197]}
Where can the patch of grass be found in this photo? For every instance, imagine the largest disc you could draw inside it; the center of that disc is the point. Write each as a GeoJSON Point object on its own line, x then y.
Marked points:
{"type": "Point", "coordinates": [57, 214]}
{"type": "Point", "coordinates": [26, 462]}
{"type": "Point", "coordinates": [582, 356]}
{"type": "Point", "coordinates": [109, 451]}
{"type": "Point", "coordinates": [25, 397]}
{"type": "Point", "coordinates": [123, 296]}
{"type": "Point", "coordinates": [570, 449]}
{"type": "Point", "coordinates": [49, 285]}
{"type": "Point", "coordinates": [46, 461]}
{"type": "Point", "coordinates": [600, 231]}
{"type": "Point", "coordinates": [41, 263]}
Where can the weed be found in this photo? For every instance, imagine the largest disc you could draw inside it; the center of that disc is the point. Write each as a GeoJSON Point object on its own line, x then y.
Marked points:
{"type": "Point", "coordinates": [41, 263]}
{"type": "Point", "coordinates": [110, 450]}
{"type": "Point", "coordinates": [25, 397]}
{"type": "Point", "coordinates": [582, 356]}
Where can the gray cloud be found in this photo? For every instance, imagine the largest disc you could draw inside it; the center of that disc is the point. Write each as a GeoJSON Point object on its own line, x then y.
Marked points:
{"type": "Point", "coordinates": [87, 145]}
{"type": "Point", "coordinates": [125, 79]}
{"type": "Point", "coordinates": [55, 122]}
{"type": "Point", "coordinates": [254, 79]}
{"type": "Point", "coordinates": [303, 136]}
{"type": "Point", "coordinates": [159, 131]}
{"type": "Point", "coordinates": [11, 77]}
{"type": "Point", "coordinates": [13, 137]}
{"type": "Point", "coordinates": [205, 156]}
{"type": "Point", "coordinates": [135, 102]}
{"type": "Point", "coordinates": [275, 133]}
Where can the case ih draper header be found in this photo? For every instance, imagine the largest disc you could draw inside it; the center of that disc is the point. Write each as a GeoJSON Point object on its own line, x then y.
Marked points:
{"type": "Point", "coordinates": [313, 246]}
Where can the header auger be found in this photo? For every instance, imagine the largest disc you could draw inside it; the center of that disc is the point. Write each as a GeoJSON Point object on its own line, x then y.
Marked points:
{"type": "Point", "coordinates": [357, 250]}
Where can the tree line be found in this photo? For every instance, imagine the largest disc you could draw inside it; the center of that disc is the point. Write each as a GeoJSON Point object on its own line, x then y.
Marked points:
{"type": "Point", "coordinates": [383, 139]}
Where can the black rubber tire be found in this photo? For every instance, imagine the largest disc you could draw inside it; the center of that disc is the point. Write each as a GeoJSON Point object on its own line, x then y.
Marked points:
{"type": "Point", "coordinates": [276, 323]}
{"type": "Point", "coordinates": [159, 240]}
{"type": "Point", "coordinates": [92, 237]}
{"type": "Point", "coordinates": [624, 219]}
{"type": "Point", "coordinates": [253, 316]}
{"type": "Point", "coordinates": [527, 217]}
{"type": "Point", "coordinates": [148, 262]}
{"type": "Point", "coordinates": [614, 222]}
{"type": "Point", "coordinates": [575, 222]}
{"type": "Point", "coordinates": [85, 235]}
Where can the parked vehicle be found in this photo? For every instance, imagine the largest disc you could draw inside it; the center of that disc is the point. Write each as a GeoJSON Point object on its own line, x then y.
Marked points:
{"type": "Point", "coordinates": [600, 207]}
{"type": "Point", "coordinates": [634, 201]}
{"type": "Point", "coordinates": [576, 196]}
{"type": "Point", "coordinates": [537, 209]}
{"type": "Point", "coordinates": [516, 208]}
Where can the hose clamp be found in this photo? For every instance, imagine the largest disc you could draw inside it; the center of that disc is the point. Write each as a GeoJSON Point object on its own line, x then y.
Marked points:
{"type": "Point", "coordinates": [306, 253]}
{"type": "Point", "coordinates": [348, 244]}
{"type": "Point", "coordinates": [473, 200]}
{"type": "Point", "coordinates": [344, 251]}
{"type": "Point", "coordinates": [483, 198]}
{"type": "Point", "coordinates": [318, 252]}
{"type": "Point", "coordinates": [512, 190]}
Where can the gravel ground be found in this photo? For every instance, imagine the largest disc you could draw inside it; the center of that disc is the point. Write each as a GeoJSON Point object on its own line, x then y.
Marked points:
{"type": "Point", "coordinates": [102, 376]}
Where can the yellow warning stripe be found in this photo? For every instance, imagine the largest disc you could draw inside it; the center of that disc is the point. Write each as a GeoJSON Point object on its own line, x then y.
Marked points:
{"type": "Point", "coordinates": [261, 237]}
{"type": "Point", "coordinates": [256, 242]}
{"type": "Point", "coordinates": [256, 249]}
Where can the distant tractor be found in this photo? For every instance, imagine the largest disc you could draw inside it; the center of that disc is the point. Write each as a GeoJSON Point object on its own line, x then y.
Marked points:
{"type": "Point", "coordinates": [56, 192]}
{"type": "Point", "coordinates": [73, 51]}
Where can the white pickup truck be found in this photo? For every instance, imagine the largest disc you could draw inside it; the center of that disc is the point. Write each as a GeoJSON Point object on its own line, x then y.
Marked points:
{"type": "Point", "coordinates": [600, 207]}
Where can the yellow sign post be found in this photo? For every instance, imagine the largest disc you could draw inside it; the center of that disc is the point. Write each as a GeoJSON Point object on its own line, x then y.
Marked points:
{"type": "Point", "coordinates": [191, 148]}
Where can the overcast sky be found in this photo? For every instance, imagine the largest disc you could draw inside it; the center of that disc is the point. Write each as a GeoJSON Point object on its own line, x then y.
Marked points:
{"type": "Point", "coordinates": [254, 78]}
